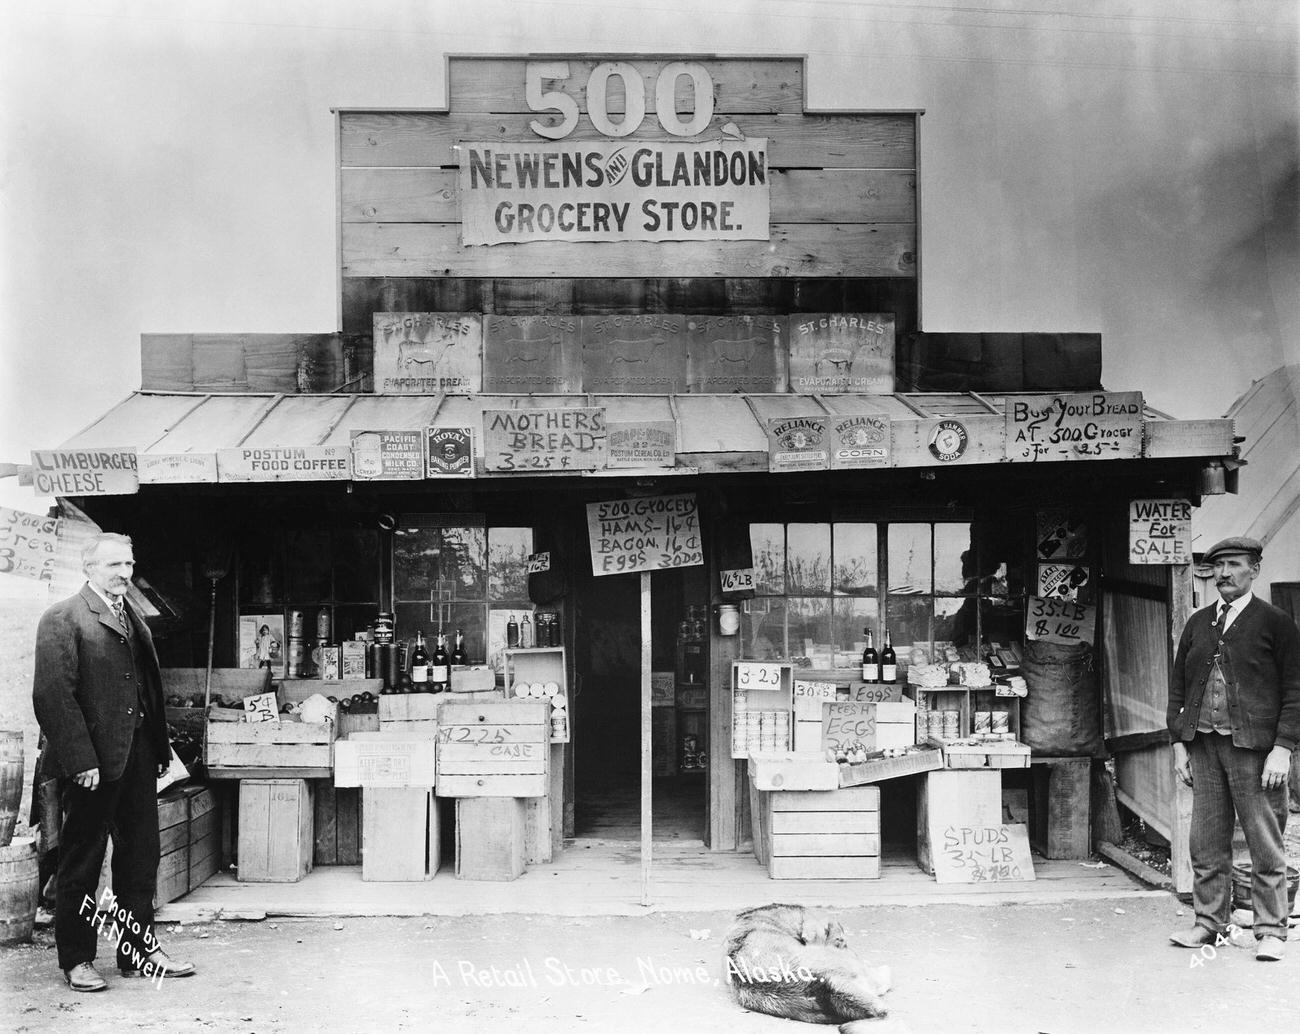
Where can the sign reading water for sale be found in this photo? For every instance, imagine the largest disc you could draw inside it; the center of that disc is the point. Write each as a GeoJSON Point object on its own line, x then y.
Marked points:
{"type": "Point", "coordinates": [614, 191]}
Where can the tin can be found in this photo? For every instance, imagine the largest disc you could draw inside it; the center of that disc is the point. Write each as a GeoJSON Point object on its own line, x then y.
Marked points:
{"type": "Point", "coordinates": [690, 744]}
{"type": "Point", "coordinates": [1001, 721]}
{"type": "Point", "coordinates": [298, 660]}
{"type": "Point", "coordinates": [934, 724]}
{"type": "Point", "coordinates": [951, 724]}
{"type": "Point", "coordinates": [383, 627]}
{"type": "Point", "coordinates": [295, 624]}
{"type": "Point", "coordinates": [983, 721]}
{"type": "Point", "coordinates": [323, 624]}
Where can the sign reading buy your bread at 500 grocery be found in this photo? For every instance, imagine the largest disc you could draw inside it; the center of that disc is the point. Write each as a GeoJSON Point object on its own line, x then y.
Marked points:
{"type": "Point", "coordinates": [644, 534]}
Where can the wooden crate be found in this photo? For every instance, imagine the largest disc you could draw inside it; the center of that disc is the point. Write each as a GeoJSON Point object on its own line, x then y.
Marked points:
{"type": "Point", "coordinates": [1060, 806]}
{"type": "Point", "coordinates": [204, 833]}
{"type": "Point", "coordinates": [494, 749]}
{"type": "Point", "coordinates": [919, 758]}
{"type": "Point", "coordinates": [385, 759]}
{"type": "Point", "coordinates": [349, 723]}
{"type": "Point", "coordinates": [189, 831]}
{"type": "Point", "coordinates": [490, 838]}
{"type": "Point", "coordinates": [231, 683]}
{"type": "Point", "coordinates": [400, 838]}
{"type": "Point", "coordinates": [539, 664]}
{"type": "Point", "coordinates": [242, 750]}
{"type": "Point", "coordinates": [993, 754]}
{"type": "Point", "coordinates": [971, 797]}
{"type": "Point", "coordinates": [793, 770]}
{"type": "Point", "coordinates": [337, 824]}
{"type": "Point", "coordinates": [173, 845]}
{"type": "Point", "coordinates": [275, 830]}
{"type": "Point", "coordinates": [823, 834]}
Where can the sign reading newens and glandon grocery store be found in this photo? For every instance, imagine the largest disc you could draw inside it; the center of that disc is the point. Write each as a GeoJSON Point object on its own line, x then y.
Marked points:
{"type": "Point", "coordinates": [611, 189]}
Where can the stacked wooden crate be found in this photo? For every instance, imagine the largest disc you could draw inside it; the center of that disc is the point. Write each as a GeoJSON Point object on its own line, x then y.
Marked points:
{"type": "Point", "coordinates": [189, 831]}
{"type": "Point", "coordinates": [276, 821]}
{"type": "Point", "coordinates": [822, 834]}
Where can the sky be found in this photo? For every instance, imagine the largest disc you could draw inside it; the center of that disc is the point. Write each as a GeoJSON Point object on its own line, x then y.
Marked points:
{"type": "Point", "coordinates": [1125, 167]}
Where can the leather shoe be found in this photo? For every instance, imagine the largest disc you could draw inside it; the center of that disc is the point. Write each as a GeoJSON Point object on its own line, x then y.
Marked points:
{"type": "Point", "coordinates": [159, 961]}
{"type": "Point", "coordinates": [1270, 949]}
{"type": "Point", "coordinates": [1194, 938]}
{"type": "Point", "coordinates": [84, 977]}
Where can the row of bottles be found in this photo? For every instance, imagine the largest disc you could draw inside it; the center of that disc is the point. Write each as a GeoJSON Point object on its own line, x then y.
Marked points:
{"type": "Point", "coordinates": [432, 673]}
{"type": "Point", "coordinates": [882, 668]}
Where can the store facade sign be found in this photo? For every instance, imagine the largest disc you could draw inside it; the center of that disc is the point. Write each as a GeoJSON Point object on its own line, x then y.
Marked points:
{"type": "Point", "coordinates": [428, 353]}
{"type": "Point", "coordinates": [1099, 425]}
{"type": "Point", "coordinates": [29, 544]}
{"type": "Point", "coordinates": [285, 463]}
{"type": "Point", "coordinates": [737, 353]}
{"type": "Point", "coordinates": [387, 455]}
{"type": "Point", "coordinates": [526, 441]}
{"type": "Point", "coordinates": [798, 443]}
{"type": "Point", "coordinates": [1061, 580]}
{"type": "Point", "coordinates": [1160, 531]}
{"type": "Point", "coordinates": [613, 190]}
{"type": "Point", "coordinates": [948, 441]}
{"type": "Point", "coordinates": [539, 354]}
{"type": "Point", "coordinates": [842, 353]}
{"type": "Point", "coordinates": [177, 468]}
{"type": "Point", "coordinates": [642, 443]}
{"type": "Point", "coordinates": [634, 353]}
{"type": "Point", "coordinates": [646, 534]}
{"type": "Point", "coordinates": [858, 442]}
{"type": "Point", "coordinates": [72, 472]}
{"type": "Point", "coordinates": [449, 452]}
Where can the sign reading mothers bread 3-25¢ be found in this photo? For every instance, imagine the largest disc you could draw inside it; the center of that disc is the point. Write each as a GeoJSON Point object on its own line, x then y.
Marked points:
{"type": "Point", "coordinates": [530, 440]}
{"type": "Point", "coordinates": [646, 534]}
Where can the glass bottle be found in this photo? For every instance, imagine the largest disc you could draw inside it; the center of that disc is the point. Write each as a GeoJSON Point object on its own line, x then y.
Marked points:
{"type": "Point", "coordinates": [888, 662]}
{"type": "Point", "coordinates": [419, 665]}
{"type": "Point", "coordinates": [458, 655]}
{"type": "Point", "coordinates": [870, 661]}
{"type": "Point", "coordinates": [440, 667]}
{"type": "Point", "coordinates": [512, 633]}
{"type": "Point", "coordinates": [526, 633]}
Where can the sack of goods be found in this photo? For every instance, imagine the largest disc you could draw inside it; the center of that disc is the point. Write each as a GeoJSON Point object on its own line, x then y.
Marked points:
{"type": "Point", "coordinates": [928, 676]}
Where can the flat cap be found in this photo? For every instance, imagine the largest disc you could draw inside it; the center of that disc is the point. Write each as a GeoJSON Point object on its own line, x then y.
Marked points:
{"type": "Point", "coordinates": [1233, 546]}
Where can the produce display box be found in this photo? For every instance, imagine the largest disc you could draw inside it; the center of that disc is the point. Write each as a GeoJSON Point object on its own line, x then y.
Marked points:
{"type": "Point", "coordinates": [189, 831]}
{"type": "Point", "coordinates": [971, 797]}
{"type": "Point", "coordinates": [990, 754]}
{"type": "Point", "coordinates": [276, 830]}
{"type": "Point", "coordinates": [792, 770]}
{"type": "Point", "coordinates": [1060, 806]}
{"type": "Point", "coordinates": [283, 749]}
{"type": "Point", "coordinates": [385, 759]}
{"type": "Point", "coordinates": [494, 749]}
{"type": "Point", "coordinates": [820, 834]}
{"type": "Point", "coordinates": [918, 758]}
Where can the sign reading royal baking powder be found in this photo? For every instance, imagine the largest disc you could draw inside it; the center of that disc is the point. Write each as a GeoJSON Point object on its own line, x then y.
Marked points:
{"type": "Point", "coordinates": [282, 463]}
{"type": "Point", "coordinates": [596, 190]}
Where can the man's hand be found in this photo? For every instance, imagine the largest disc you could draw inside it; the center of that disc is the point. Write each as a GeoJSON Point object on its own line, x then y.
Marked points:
{"type": "Point", "coordinates": [1276, 767]}
{"type": "Point", "coordinates": [88, 779]}
{"type": "Point", "coordinates": [1182, 763]}
{"type": "Point", "coordinates": [162, 768]}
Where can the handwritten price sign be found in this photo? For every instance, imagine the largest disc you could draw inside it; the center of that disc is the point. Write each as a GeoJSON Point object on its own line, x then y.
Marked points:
{"type": "Point", "coordinates": [1060, 621]}
{"type": "Point", "coordinates": [983, 854]}
{"type": "Point", "coordinates": [261, 708]}
{"type": "Point", "coordinates": [539, 562]}
{"type": "Point", "coordinates": [739, 580]}
{"type": "Point", "coordinates": [750, 675]}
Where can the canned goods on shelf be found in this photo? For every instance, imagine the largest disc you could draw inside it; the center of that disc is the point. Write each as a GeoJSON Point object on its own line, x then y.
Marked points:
{"type": "Point", "coordinates": [1001, 721]}
{"type": "Point", "coordinates": [323, 623]}
{"type": "Point", "coordinates": [295, 624]}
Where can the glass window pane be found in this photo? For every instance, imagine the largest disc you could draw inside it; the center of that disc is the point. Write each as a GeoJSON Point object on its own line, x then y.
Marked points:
{"type": "Point", "coordinates": [462, 563]}
{"type": "Point", "coordinates": [855, 560]}
{"type": "Point", "coordinates": [508, 550]}
{"type": "Point", "coordinates": [307, 564]}
{"type": "Point", "coordinates": [1001, 621]}
{"type": "Point", "coordinates": [415, 561]}
{"type": "Point", "coordinates": [808, 631]}
{"type": "Point", "coordinates": [808, 559]}
{"type": "Point", "coordinates": [954, 559]}
{"type": "Point", "coordinates": [909, 558]}
{"type": "Point", "coordinates": [909, 627]}
{"type": "Point", "coordinates": [356, 565]}
{"type": "Point", "coordinates": [950, 617]}
{"type": "Point", "coordinates": [762, 629]}
{"type": "Point", "coordinates": [767, 543]}
{"type": "Point", "coordinates": [851, 617]}
{"type": "Point", "coordinates": [471, 619]}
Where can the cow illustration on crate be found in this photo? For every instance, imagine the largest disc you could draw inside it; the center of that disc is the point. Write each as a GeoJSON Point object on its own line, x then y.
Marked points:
{"type": "Point", "coordinates": [532, 350]}
{"type": "Point", "coordinates": [634, 352]}
{"type": "Point", "coordinates": [739, 352]}
{"type": "Point", "coordinates": [837, 363]}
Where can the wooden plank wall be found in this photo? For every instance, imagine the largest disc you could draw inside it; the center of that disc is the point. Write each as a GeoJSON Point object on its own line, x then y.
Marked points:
{"type": "Point", "coordinates": [843, 187]}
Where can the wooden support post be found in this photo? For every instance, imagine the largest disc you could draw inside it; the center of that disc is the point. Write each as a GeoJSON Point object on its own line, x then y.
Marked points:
{"type": "Point", "coordinates": [647, 820]}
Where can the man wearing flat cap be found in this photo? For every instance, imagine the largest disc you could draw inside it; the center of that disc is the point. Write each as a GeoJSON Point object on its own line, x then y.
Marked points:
{"type": "Point", "coordinates": [1234, 718]}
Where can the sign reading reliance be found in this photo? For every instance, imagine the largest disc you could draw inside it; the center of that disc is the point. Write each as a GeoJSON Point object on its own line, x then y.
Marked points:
{"type": "Point", "coordinates": [527, 440]}
{"type": "Point", "coordinates": [612, 191]}
{"type": "Point", "coordinates": [644, 534]}
{"type": "Point", "coordinates": [1160, 531]}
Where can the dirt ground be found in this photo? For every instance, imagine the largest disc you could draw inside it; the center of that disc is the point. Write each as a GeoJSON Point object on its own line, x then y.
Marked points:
{"type": "Point", "coordinates": [1056, 969]}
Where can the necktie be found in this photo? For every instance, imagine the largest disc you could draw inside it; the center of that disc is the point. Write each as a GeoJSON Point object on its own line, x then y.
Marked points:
{"type": "Point", "coordinates": [1220, 621]}
{"type": "Point", "coordinates": [119, 608]}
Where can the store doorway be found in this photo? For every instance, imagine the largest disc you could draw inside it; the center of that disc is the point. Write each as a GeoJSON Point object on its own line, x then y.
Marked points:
{"type": "Point", "coordinates": [607, 710]}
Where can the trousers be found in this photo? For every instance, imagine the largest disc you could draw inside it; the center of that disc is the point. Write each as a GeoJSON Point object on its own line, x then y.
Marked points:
{"type": "Point", "coordinates": [1226, 780]}
{"type": "Point", "coordinates": [127, 810]}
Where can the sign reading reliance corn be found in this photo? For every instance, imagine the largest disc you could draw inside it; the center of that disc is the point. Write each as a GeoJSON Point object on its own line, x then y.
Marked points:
{"type": "Point", "coordinates": [1096, 425]}
{"type": "Point", "coordinates": [85, 472]}
{"type": "Point", "coordinates": [29, 544]}
{"type": "Point", "coordinates": [610, 190]}
{"type": "Point", "coordinates": [859, 441]}
{"type": "Point", "coordinates": [1160, 531]}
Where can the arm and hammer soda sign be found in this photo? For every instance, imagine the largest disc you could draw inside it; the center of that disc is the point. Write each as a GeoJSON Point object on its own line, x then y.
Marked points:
{"type": "Point", "coordinates": [608, 189]}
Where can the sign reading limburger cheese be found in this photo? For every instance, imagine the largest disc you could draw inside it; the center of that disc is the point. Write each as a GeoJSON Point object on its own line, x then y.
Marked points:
{"type": "Point", "coordinates": [530, 440]}
{"type": "Point", "coordinates": [283, 463]}
{"type": "Point", "coordinates": [1098, 425]}
{"type": "Point", "coordinates": [73, 472]}
{"type": "Point", "coordinates": [613, 190]}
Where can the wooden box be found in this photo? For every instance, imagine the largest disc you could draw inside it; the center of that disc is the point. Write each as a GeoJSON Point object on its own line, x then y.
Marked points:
{"type": "Point", "coordinates": [539, 666]}
{"type": "Point", "coordinates": [762, 695]}
{"type": "Point", "coordinates": [189, 831]}
{"type": "Point", "coordinates": [489, 838]}
{"type": "Point", "coordinates": [337, 824]}
{"type": "Point", "coordinates": [232, 684]}
{"type": "Point", "coordinates": [173, 845]}
{"type": "Point", "coordinates": [400, 838]}
{"type": "Point", "coordinates": [241, 750]}
{"type": "Point", "coordinates": [350, 723]}
{"type": "Point", "coordinates": [1060, 806]}
{"type": "Point", "coordinates": [793, 770]}
{"type": "Point", "coordinates": [823, 834]}
{"type": "Point", "coordinates": [991, 754]}
{"type": "Point", "coordinates": [385, 759]}
{"type": "Point", "coordinates": [954, 798]}
{"type": "Point", "coordinates": [204, 833]}
{"type": "Point", "coordinates": [921, 758]}
{"type": "Point", "coordinates": [494, 749]}
{"type": "Point", "coordinates": [275, 830]}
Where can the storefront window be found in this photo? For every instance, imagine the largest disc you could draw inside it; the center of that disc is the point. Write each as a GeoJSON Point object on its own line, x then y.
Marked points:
{"type": "Point", "coordinates": [818, 587]}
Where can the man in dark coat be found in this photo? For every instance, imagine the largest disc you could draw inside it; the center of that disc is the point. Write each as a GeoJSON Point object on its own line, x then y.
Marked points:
{"type": "Point", "coordinates": [1234, 719]}
{"type": "Point", "coordinates": [98, 698]}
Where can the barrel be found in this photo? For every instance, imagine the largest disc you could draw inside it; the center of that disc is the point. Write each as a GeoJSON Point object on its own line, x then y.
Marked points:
{"type": "Point", "coordinates": [19, 884]}
{"type": "Point", "coordinates": [1241, 892]}
{"type": "Point", "coordinates": [11, 782]}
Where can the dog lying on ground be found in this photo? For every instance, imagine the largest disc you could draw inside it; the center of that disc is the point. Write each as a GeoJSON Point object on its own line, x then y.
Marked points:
{"type": "Point", "coordinates": [789, 961]}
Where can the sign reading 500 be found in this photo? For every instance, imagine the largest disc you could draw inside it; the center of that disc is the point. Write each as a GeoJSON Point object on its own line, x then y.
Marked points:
{"type": "Point", "coordinates": [538, 75]}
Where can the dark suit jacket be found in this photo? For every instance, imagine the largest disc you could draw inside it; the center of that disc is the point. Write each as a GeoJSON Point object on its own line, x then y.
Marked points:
{"type": "Point", "coordinates": [1261, 667]}
{"type": "Point", "coordinates": [85, 690]}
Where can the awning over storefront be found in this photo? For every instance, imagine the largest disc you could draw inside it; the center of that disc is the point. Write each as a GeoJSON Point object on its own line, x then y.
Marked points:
{"type": "Point", "coordinates": [181, 438]}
